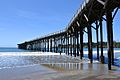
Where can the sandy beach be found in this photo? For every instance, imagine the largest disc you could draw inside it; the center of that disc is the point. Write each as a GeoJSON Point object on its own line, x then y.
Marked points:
{"type": "Point", "coordinates": [60, 68]}
{"type": "Point", "coordinates": [60, 40]}
{"type": "Point", "coordinates": [94, 71]}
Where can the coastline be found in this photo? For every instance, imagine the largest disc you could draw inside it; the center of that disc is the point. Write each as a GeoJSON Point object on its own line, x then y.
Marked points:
{"type": "Point", "coordinates": [29, 58]}
{"type": "Point", "coordinates": [39, 72]}
{"type": "Point", "coordinates": [37, 53]}
{"type": "Point", "coordinates": [57, 68]}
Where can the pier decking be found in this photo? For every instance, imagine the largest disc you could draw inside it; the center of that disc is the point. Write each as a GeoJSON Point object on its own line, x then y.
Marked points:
{"type": "Point", "coordinates": [70, 40]}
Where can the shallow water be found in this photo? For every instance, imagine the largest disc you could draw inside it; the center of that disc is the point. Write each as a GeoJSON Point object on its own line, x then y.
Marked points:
{"type": "Point", "coordinates": [15, 61]}
{"type": "Point", "coordinates": [3, 49]}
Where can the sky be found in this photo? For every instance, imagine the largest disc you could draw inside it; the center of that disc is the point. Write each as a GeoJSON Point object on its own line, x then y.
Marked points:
{"type": "Point", "coordinates": [24, 20]}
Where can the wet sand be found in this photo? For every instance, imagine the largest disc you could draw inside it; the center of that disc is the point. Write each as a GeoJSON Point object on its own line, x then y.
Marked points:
{"type": "Point", "coordinates": [88, 71]}
{"type": "Point", "coordinates": [61, 68]}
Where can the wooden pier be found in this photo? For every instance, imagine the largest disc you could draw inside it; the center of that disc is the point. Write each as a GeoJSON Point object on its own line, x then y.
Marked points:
{"type": "Point", "coordinates": [70, 40]}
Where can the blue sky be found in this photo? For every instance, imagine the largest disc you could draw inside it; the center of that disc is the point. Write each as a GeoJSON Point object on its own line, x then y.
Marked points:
{"type": "Point", "coordinates": [22, 20]}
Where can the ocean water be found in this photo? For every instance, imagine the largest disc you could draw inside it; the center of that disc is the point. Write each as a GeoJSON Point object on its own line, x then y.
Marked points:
{"type": "Point", "coordinates": [13, 61]}
{"type": "Point", "coordinates": [116, 55]}
{"type": "Point", "coordinates": [18, 61]}
{"type": "Point", "coordinates": [8, 49]}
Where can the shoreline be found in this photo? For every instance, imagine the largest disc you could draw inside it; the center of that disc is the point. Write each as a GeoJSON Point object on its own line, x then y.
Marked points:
{"type": "Point", "coordinates": [44, 58]}
{"type": "Point", "coordinates": [37, 53]}
{"type": "Point", "coordinates": [39, 72]}
{"type": "Point", "coordinates": [58, 67]}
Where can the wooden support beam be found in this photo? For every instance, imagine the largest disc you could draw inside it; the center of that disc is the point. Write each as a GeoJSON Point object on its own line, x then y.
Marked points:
{"type": "Point", "coordinates": [100, 1]}
{"type": "Point", "coordinates": [93, 27]}
{"type": "Point", "coordinates": [64, 44]}
{"type": "Point", "coordinates": [86, 17]}
{"type": "Point", "coordinates": [101, 43]}
{"type": "Point", "coordinates": [74, 44]}
{"type": "Point", "coordinates": [85, 31]}
{"type": "Point", "coordinates": [48, 46]}
{"type": "Point", "coordinates": [35, 46]}
{"type": "Point", "coordinates": [68, 44]}
{"type": "Point", "coordinates": [45, 45]}
{"type": "Point", "coordinates": [110, 38]}
{"type": "Point", "coordinates": [81, 43]}
{"type": "Point", "coordinates": [77, 36]}
{"type": "Point", "coordinates": [61, 45]}
{"type": "Point", "coordinates": [90, 43]}
{"type": "Point", "coordinates": [51, 45]}
{"type": "Point", "coordinates": [115, 13]}
{"type": "Point", "coordinates": [104, 18]}
{"type": "Point", "coordinates": [98, 15]}
{"type": "Point", "coordinates": [71, 47]}
{"type": "Point", "coordinates": [54, 44]}
{"type": "Point", "coordinates": [97, 27]}
{"type": "Point", "coordinates": [39, 45]}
